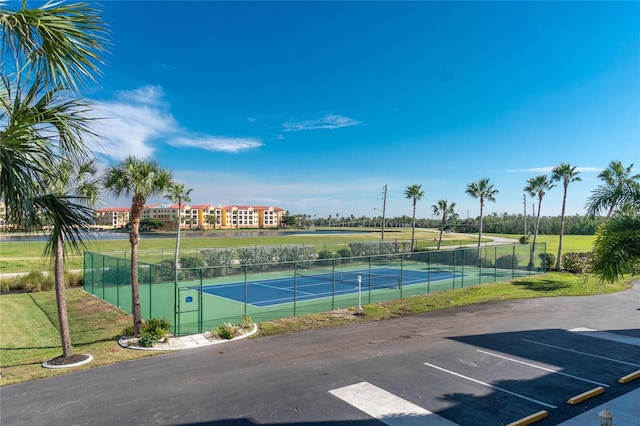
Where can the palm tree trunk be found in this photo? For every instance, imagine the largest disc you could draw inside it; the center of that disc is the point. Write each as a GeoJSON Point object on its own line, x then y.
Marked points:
{"type": "Point", "coordinates": [413, 223]}
{"type": "Point", "coordinates": [444, 219]}
{"type": "Point", "coordinates": [564, 202]}
{"type": "Point", "coordinates": [480, 230]}
{"type": "Point", "coordinates": [535, 234]}
{"type": "Point", "coordinates": [61, 300]}
{"type": "Point", "coordinates": [175, 260]}
{"type": "Point", "coordinates": [134, 238]}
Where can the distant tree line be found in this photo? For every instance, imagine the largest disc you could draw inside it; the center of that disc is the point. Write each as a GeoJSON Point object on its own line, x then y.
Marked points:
{"type": "Point", "coordinates": [493, 223]}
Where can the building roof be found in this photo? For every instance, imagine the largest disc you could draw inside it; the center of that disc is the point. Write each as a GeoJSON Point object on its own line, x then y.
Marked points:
{"type": "Point", "coordinates": [114, 209]}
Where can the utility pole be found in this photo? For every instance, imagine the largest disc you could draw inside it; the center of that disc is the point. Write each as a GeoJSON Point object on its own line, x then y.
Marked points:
{"type": "Point", "coordinates": [384, 207]}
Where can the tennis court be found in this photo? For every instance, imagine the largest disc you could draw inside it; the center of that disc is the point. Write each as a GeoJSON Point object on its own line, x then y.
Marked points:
{"type": "Point", "coordinates": [320, 284]}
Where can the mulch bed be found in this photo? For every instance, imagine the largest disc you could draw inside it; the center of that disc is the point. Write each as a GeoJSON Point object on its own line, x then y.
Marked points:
{"type": "Point", "coordinates": [73, 359]}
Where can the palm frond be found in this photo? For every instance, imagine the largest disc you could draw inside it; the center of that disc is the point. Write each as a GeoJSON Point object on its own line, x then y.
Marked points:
{"type": "Point", "coordinates": [71, 222]}
{"type": "Point", "coordinates": [64, 41]}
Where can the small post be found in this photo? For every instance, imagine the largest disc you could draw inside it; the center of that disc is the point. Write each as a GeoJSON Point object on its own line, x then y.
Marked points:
{"type": "Point", "coordinates": [606, 418]}
{"type": "Point", "coordinates": [359, 294]}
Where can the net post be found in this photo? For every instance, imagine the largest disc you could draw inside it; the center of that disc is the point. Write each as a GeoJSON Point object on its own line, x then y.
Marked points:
{"type": "Point", "coordinates": [359, 294]}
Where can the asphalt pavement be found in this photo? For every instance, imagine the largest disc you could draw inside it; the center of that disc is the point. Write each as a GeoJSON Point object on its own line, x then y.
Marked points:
{"type": "Point", "coordinates": [487, 364]}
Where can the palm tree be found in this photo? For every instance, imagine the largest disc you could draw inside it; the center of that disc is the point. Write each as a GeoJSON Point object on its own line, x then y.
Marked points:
{"type": "Point", "coordinates": [566, 173]}
{"type": "Point", "coordinates": [413, 193]}
{"type": "Point", "coordinates": [47, 53]}
{"type": "Point", "coordinates": [618, 183]}
{"type": "Point", "coordinates": [444, 209]}
{"type": "Point", "coordinates": [537, 187]}
{"type": "Point", "coordinates": [484, 191]}
{"type": "Point", "coordinates": [178, 194]}
{"type": "Point", "coordinates": [139, 179]}
{"type": "Point", "coordinates": [74, 188]}
{"type": "Point", "coordinates": [616, 248]}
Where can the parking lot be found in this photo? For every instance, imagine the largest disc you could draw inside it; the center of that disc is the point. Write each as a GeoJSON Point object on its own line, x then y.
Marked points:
{"type": "Point", "coordinates": [487, 364]}
{"type": "Point", "coordinates": [503, 377]}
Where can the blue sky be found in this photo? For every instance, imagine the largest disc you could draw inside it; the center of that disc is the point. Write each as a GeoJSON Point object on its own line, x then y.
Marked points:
{"type": "Point", "coordinates": [315, 106]}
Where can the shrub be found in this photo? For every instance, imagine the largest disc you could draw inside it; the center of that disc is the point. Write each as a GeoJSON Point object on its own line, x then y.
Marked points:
{"type": "Point", "coordinates": [577, 262]}
{"type": "Point", "coordinates": [156, 327]}
{"type": "Point", "coordinates": [128, 331]}
{"type": "Point", "coordinates": [325, 257]}
{"type": "Point", "coordinates": [247, 322]}
{"type": "Point", "coordinates": [547, 260]}
{"type": "Point", "coordinates": [345, 255]}
{"type": "Point", "coordinates": [524, 239]}
{"type": "Point", "coordinates": [74, 279]}
{"type": "Point", "coordinates": [508, 261]}
{"type": "Point", "coordinates": [37, 281]}
{"type": "Point", "coordinates": [225, 331]}
{"type": "Point", "coordinates": [147, 340]}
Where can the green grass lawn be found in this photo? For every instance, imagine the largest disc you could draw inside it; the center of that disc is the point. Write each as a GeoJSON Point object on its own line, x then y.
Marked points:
{"type": "Point", "coordinates": [27, 256]}
{"type": "Point", "coordinates": [570, 243]}
{"type": "Point", "coordinates": [30, 333]}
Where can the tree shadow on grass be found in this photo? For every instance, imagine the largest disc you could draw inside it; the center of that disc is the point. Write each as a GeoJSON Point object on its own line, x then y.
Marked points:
{"type": "Point", "coordinates": [543, 285]}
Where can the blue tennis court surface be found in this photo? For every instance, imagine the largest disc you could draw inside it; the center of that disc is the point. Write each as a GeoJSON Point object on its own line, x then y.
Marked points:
{"type": "Point", "coordinates": [277, 291]}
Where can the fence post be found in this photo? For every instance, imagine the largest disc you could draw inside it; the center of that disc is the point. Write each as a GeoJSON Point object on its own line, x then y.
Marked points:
{"type": "Point", "coordinates": [428, 272]}
{"type": "Point", "coordinates": [513, 261]}
{"type": "Point", "coordinates": [462, 272]}
{"type": "Point", "coordinates": [295, 286]}
{"type": "Point", "coordinates": [454, 269]}
{"type": "Point", "coordinates": [200, 306]}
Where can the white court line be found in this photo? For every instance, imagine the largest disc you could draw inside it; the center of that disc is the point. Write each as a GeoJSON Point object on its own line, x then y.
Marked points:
{"type": "Point", "coordinates": [544, 368]}
{"type": "Point", "coordinates": [544, 404]}
{"type": "Point", "coordinates": [605, 335]}
{"type": "Point", "coordinates": [582, 353]}
{"type": "Point", "coordinates": [387, 407]}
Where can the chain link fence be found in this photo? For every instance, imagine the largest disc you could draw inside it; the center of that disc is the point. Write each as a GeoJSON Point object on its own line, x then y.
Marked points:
{"type": "Point", "coordinates": [198, 299]}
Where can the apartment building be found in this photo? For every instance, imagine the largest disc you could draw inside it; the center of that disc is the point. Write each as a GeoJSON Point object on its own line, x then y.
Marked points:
{"type": "Point", "coordinates": [203, 216]}
{"type": "Point", "coordinates": [238, 217]}
{"type": "Point", "coordinates": [114, 217]}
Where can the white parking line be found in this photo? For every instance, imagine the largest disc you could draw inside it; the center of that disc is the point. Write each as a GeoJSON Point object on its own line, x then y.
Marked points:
{"type": "Point", "coordinates": [387, 407]}
{"type": "Point", "coordinates": [544, 404]}
{"type": "Point", "coordinates": [581, 353]}
{"type": "Point", "coordinates": [605, 335]}
{"type": "Point", "coordinates": [539, 367]}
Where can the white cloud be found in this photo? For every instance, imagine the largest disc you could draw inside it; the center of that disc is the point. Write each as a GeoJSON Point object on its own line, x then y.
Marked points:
{"type": "Point", "coordinates": [137, 120]}
{"type": "Point", "coordinates": [216, 143]}
{"type": "Point", "coordinates": [129, 129]}
{"type": "Point", "coordinates": [150, 95]}
{"type": "Point", "coordinates": [330, 121]}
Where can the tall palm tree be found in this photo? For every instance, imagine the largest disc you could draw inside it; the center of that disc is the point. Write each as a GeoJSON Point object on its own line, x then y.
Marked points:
{"type": "Point", "coordinates": [139, 179]}
{"type": "Point", "coordinates": [74, 188]}
{"type": "Point", "coordinates": [537, 187]}
{"type": "Point", "coordinates": [446, 210]}
{"type": "Point", "coordinates": [484, 191]}
{"type": "Point", "coordinates": [414, 193]}
{"type": "Point", "coordinates": [566, 173]}
{"type": "Point", "coordinates": [178, 194]}
{"type": "Point", "coordinates": [47, 53]}
{"type": "Point", "coordinates": [613, 193]}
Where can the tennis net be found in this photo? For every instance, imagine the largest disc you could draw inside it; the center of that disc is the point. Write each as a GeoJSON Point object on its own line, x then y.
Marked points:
{"type": "Point", "coordinates": [349, 278]}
